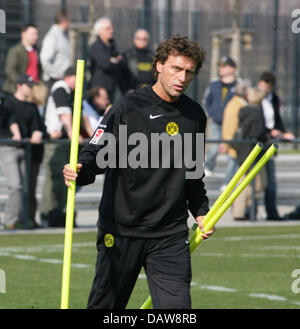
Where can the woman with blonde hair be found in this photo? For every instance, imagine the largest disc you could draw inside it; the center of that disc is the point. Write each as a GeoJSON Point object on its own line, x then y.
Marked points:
{"type": "Point", "coordinates": [39, 97]}
{"type": "Point", "coordinates": [251, 126]}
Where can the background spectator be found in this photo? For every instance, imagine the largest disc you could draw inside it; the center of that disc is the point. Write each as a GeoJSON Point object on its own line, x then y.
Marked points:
{"type": "Point", "coordinates": [56, 51]}
{"type": "Point", "coordinates": [22, 59]}
{"type": "Point", "coordinates": [217, 95]}
{"type": "Point", "coordinates": [231, 121]}
{"type": "Point", "coordinates": [275, 129]}
{"type": "Point", "coordinates": [251, 126]}
{"type": "Point", "coordinates": [94, 108]}
{"type": "Point", "coordinates": [25, 115]}
{"type": "Point", "coordinates": [58, 121]}
{"type": "Point", "coordinates": [139, 60]}
{"type": "Point", "coordinates": [108, 69]}
{"type": "Point", "coordinates": [39, 96]}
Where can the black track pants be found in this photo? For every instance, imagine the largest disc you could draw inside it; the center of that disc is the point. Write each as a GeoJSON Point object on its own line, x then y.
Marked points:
{"type": "Point", "coordinates": [167, 265]}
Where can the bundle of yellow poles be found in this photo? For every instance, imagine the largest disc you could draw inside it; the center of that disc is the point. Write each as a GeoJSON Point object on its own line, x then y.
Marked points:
{"type": "Point", "coordinates": [225, 201]}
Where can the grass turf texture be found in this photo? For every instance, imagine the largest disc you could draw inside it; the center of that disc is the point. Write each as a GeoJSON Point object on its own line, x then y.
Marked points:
{"type": "Point", "coordinates": [236, 268]}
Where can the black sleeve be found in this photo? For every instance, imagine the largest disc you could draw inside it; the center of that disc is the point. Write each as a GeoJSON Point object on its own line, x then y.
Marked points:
{"type": "Point", "coordinates": [196, 195]}
{"type": "Point", "coordinates": [11, 116]}
{"type": "Point", "coordinates": [35, 120]}
{"type": "Point", "coordinates": [198, 203]}
{"type": "Point", "coordinates": [89, 152]}
{"type": "Point", "coordinates": [278, 120]}
{"type": "Point", "coordinates": [61, 98]}
{"type": "Point", "coordinates": [7, 112]}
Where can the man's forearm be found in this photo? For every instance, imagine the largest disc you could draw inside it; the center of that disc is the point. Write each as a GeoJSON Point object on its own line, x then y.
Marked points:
{"type": "Point", "coordinates": [14, 129]}
{"type": "Point", "coordinates": [66, 119]}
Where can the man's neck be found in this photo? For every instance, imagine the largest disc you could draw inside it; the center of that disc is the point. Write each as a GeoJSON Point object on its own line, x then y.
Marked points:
{"type": "Point", "coordinates": [26, 45]}
{"type": "Point", "coordinates": [228, 78]}
{"type": "Point", "coordinates": [105, 41]}
{"type": "Point", "coordinates": [160, 91]}
{"type": "Point", "coordinates": [19, 96]}
{"type": "Point", "coordinates": [61, 27]}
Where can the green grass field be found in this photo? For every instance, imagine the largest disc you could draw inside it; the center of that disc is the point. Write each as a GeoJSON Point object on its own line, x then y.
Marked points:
{"type": "Point", "coordinates": [236, 268]}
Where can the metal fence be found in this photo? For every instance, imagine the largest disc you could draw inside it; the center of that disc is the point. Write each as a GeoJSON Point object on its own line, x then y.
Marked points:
{"type": "Point", "coordinates": [27, 145]}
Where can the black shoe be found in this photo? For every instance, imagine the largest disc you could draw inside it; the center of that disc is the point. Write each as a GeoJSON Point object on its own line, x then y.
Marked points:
{"type": "Point", "coordinates": [35, 225]}
{"type": "Point", "coordinates": [277, 218]}
{"type": "Point", "coordinates": [241, 219]}
{"type": "Point", "coordinates": [294, 215]}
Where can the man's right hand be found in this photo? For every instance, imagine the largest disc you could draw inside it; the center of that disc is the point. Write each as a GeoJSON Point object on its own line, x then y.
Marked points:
{"type": "Point", "coordinates": [70, 174]}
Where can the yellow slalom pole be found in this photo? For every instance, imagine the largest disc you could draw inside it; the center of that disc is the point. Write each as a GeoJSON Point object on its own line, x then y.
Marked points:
{"type": "Point", "coordinates": [71, 190]}
{"type": "Point", "coordinates": [231, 185]}
{"type": "Point", "coordinates": [264, 159]}
{"type": "Point", "coordinates": [219, 213]}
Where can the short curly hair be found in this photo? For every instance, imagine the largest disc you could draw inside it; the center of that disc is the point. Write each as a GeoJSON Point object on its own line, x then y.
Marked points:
{"type": "Point", "coordinates": [178, 44]}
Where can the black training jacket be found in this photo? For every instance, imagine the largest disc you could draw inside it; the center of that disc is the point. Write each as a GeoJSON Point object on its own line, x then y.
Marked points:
{"type": "Point", "coordinates": [146, 202]}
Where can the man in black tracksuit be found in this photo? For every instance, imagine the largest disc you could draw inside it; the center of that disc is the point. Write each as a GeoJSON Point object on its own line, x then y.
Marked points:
{"type": "Point", "coordinates": [139, 60]}
{"type": "Point", "coordinates": [143, 212]}
{"type": "Point", "coordinates": [108, 68]}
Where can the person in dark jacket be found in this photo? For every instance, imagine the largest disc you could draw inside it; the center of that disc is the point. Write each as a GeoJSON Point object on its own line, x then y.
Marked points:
{"type": "Point", "coordinates": [275, 129]}
{"type": "Point", "coordinates": [139, 59]}
{"type": "Point", "coordinates": [216, 97]}
{"type": "Point", "coordinates": [143, 211]}
{"type": "Point", "coordinates": [23, 58]}
{"type": "Point", "coordinates": [108, 69]}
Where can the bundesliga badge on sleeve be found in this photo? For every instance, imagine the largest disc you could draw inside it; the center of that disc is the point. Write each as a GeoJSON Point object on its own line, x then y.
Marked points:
{"type": "Point", "coordinates": [97, 135]}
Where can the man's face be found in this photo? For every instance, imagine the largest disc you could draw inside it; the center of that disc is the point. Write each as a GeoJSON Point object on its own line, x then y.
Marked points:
{"type": "Point", "coordinates": [225, 70]}
{"type": "Point", "coordinates": [71, 81]}
{"type": "Point", "coordinates": [101, 101]}
{"type": "Point", "coordinates": [175, 75]}
{"type": "Point", "coordinates": [141, 40]}
{"type": "Point", "coordinates": [106, 32]}
{"type": "Point", "coordinates": [30, 36]}
{"type": "Point", "coordinates": [262, 85]}
{"type": "Point", "coordinates": [65, 24]}
{"type": "Point", "coordinates": [25, 90]}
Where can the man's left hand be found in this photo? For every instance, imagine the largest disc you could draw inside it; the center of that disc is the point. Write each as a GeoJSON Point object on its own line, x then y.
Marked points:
{"type": "Point", "coordinates": [206, 235]}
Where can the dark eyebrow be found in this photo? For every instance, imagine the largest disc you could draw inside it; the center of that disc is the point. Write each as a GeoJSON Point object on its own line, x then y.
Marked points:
{"type": "Point", "coordinates": [176, 67]}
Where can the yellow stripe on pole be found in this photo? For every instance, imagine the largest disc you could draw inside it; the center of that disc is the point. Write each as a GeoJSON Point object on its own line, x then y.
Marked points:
{"type": "Point", "coordinates": [218, 212]}
{"type": "Point", "coordinates": [71, 190]}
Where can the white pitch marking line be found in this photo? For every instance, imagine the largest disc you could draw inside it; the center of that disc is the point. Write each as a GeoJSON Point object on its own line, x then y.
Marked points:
{"type": "Point", "coordinates": [46, 248]}
{"type": "Point", "coordinates": [275, 247]}
{"type": "Point", "coordinates": [267, 296]}
{"type": "Point", "coordinates": [43, 260]}
{"type": "Point", "coordinates": [218, 288]}
{"type": "Point", "coordinates": [252, 295]}
{"type": "Point", "coordinates": [260, 237]}
{"type": "Point", "coordinates": [246, 255]}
